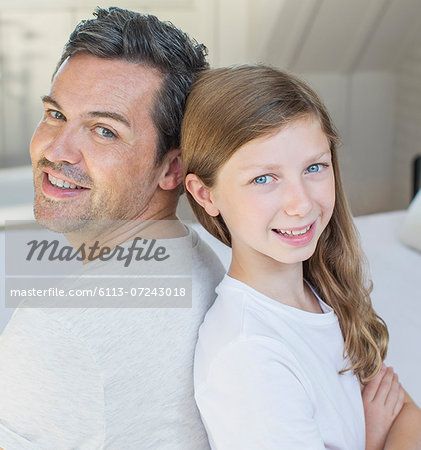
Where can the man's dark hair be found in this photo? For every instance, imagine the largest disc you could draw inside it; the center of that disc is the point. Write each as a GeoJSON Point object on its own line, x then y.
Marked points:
{"type": "Point", "coordinates": [117, 33]}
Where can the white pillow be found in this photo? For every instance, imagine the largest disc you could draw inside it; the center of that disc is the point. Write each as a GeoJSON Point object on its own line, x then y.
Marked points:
{"type": "Point", "coordinates": [410, 233]}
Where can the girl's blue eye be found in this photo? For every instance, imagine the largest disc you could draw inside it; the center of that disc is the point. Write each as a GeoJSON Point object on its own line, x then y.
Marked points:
{"type": "Point", "coordinates": [314, 168]}
{"type": "Point", "coordinates": [263, 179]}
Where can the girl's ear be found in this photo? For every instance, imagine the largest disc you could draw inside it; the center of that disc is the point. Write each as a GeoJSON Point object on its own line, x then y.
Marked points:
{"type": "Point", "coordinates": [201, 194]}
{"type": "Point", "coordinates": [172, 174]}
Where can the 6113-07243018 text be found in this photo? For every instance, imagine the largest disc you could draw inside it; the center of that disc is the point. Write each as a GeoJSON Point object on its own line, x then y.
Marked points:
{"type": "Point", "coordinates": [101, 292]}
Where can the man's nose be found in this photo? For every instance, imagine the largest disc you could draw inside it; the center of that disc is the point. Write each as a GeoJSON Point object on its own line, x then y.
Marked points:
{"type": "Point", "coordinates": [63, 145]}
{"type": "Point", "coordinates": [297, 198]}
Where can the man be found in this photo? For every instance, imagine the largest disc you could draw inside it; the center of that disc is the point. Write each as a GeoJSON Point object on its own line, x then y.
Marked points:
{"type": "Point", "coordinates": [107, 149]}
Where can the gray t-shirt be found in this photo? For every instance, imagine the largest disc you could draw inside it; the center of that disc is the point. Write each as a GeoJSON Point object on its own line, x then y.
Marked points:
{"type": "Point", "coordinates": [114, 378]}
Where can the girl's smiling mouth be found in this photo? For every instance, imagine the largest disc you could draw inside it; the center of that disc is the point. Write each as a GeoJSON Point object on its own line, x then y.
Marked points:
{"type": "Point", "coordinates": [296, 236]}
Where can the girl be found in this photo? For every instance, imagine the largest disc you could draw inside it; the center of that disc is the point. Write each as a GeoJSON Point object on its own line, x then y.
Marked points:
{"type": "Point", "coordinates": [292, 334]}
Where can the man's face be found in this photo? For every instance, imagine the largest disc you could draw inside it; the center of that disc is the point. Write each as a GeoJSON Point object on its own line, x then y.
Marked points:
{"type": "Point", "coordinates": [93, 152]}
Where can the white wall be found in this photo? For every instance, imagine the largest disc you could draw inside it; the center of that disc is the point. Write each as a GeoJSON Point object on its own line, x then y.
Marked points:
{"type": "Point", "coordinates": [362, 105]}
{"type": "Point", "coordinates": [408, 123]}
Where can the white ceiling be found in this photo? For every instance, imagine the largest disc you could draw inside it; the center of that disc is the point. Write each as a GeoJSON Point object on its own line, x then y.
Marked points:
{"type": "Point", "coordinates": [91, 4]}
{"type": "Point", "coordinates": [341, 35]}
{"type": "Point", "coordinates": [300, 35]}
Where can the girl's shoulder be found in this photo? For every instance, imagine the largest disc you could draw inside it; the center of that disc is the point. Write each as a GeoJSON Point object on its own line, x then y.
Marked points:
{"type": "Point", "coordinates": [243, 317]}
{"type": "Point", "coordinates": [248, 311]}
{"type": "Point", "coordinates": [238, 314]}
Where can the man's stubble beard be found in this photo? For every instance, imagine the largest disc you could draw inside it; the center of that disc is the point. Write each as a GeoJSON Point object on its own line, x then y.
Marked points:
{"type": "Point", "coordinates": [62, 218]}
{"type": "Point", "coordinates": [94, 215]}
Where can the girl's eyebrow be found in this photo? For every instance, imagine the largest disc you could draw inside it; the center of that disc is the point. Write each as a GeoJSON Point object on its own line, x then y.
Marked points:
{"type": "Point", "coordinates": [272, 167]}
{"type": "Point", "coordinates": [316, 158]}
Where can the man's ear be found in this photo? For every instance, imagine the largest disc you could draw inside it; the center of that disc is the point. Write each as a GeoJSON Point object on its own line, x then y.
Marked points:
{"type": "Point", "coordinates": [201, 194]}
{"type": "Point", "coordinates": [172, 170]}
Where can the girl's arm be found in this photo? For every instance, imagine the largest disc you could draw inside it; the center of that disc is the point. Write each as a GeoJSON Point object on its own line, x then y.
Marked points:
{"type": "Point", "coordinates": [405, 433]}
{"type": "Point", "coordinates": [383, 398]}
{"type": "Point", "coordinates": [393, 421]}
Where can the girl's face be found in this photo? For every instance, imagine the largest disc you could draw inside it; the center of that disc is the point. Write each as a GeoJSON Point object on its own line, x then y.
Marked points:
{"type": "Point", "coordinates": [276, 193]}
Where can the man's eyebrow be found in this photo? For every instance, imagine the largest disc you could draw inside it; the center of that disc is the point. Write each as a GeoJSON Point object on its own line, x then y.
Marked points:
{"type": "Point", "coordinates": [110, 115]}
{"type": "Point", "coordinates": [48, 99]}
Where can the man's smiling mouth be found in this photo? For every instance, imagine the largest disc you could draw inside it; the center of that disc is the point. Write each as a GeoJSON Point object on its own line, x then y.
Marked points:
{"type": "Point", "coordinates": [62, 184]}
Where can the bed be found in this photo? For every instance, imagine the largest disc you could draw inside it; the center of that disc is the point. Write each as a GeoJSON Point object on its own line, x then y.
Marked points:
{"type": "Point", "coordinates": [396, 272]}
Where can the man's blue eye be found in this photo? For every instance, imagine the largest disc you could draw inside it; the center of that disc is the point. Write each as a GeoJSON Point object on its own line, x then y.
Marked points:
{"type": "Point", "coordinates": [105, 132]}
{"type": "Point", "coordinates": [263, 179]}
{"type": "Point", "coordinates": [57, 115]}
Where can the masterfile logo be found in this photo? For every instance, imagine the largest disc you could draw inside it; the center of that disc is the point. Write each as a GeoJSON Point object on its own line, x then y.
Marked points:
{"type": "Point", "coordinates": [148, 268]}
{"type": "Point", "coordinates": [139, 249]}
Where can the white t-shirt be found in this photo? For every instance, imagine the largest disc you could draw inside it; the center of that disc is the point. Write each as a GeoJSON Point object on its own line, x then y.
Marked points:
{"type": "Point", "coordinates": [114, 378]}
{"type": "Point", "coordinates": [266, 376]}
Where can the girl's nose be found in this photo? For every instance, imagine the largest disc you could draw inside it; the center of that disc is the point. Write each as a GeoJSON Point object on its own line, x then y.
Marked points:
{"type": "Point", "coordinates": [298, 200]}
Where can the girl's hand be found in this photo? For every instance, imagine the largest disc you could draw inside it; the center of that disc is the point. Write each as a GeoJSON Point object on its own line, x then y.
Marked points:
{"type": "Point", "coordinates": [383, 398]}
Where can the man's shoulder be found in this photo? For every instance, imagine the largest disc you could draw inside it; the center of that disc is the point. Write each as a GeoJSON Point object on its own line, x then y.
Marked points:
{"type": "Point", "coordinates": [205, 257]}
{"type": "Point", "coordinates": [208, 251]}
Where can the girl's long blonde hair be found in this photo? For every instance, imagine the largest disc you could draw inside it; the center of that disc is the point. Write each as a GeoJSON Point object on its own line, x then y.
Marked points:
{"type": "Point", "coordinates": [229, 107]}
